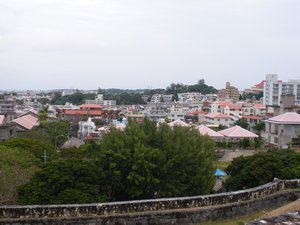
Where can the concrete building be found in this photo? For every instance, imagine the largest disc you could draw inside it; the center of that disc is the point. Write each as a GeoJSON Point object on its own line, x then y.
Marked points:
{"type": "Point", "coordinates": [283, 130]}
{"type": "Point", "coordinates": [7, 130]}
{"type": "Point", "coordinates": [190, 97]}
{"type": "Point", "coordinates": [86, 128]}
{"type": "Point", "coordinates": [8, 106]}
{"type": "Point", "coordinates": [229, 93]}
{"type": "Point", "coordinates": [218, 119]}
{"type": "Point", "coordinates": [274, 88]}
{"type": "Point", "coordinates": [177, 113]}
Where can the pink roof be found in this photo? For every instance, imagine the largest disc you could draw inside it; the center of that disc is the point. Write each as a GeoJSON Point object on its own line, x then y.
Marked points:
{"type": "Point", "coordinates": [178, 123]}
{"type": "Point", "coordinates": [217, 116]}
{"type": "Point", "coordinates": [235, 106]}
{"type": "Point", "coordinates": [237, 132]}
{"type": "Point", "coordinates": [27, 121]}
{"type": "Point", "coordinates": [260, 106]}
{"type": "Point", "coordinates": [196, 112]}
{"type": "Point", "coordinates": [95, 106]}
{"type": "Point", "coordinates": [286, 118]}
{"type": "Point", "coordinates": [2, 117]}
{"type": "Point", "coordinates": [223, 103]}
{"type": "Point", "coordinates": [204, 130]}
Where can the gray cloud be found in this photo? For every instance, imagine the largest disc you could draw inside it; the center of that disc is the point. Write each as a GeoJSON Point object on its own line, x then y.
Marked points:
{"type": "Point", "coordinates": [138, 43]}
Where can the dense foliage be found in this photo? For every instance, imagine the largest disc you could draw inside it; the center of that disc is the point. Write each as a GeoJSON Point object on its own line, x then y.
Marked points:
{"type": "Point", "coordinates": [76, 99]}
{"type": "Point", "coordinates": [32, 146]}
{"type": "Point", "coordinates": [261, 168]}
{"type": "Point", "coordinates": [142, 161]}
{"type": "Point", "coordinates": [69, 181]}
{"type": "Point", "coordinates": [16, 168]}
{"type": "Point", "coordinates": [130, 97]}
{"type": "Point", "coordinates": [199, 87]}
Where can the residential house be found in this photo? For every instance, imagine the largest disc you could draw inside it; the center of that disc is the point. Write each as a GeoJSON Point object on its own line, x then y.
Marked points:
{"type": "Point", "coordinates": [86, 128]}
{"type": "Point", "coordinates": [218, 119]}
{"type": "Point", "coordinates": [177, 113]}
{"type": "Point", "coordinates": [283, 130]}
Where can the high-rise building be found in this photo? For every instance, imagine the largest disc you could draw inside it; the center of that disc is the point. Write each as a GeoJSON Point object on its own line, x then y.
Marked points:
{"type": "Point", "coordinates": [274, 88]}
{"type": "Point", "coordinates": [229, 93]}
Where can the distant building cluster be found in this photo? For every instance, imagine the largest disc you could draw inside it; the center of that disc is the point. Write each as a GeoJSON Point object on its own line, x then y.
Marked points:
{"type": "Point", "coordinates": [277, 108]}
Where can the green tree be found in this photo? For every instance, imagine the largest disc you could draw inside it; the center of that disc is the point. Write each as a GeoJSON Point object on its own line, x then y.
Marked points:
{"type": "Point", "coordinates": [146, 162]}
{"type": "Point", "coordinates": [58, 132]}
{"type": "Point", "coordinates": [43, 115]}
{"type": "Point", "coordinates": [242, 123]}
{"type": "Point", "coordinates": [255, 170]}
{"type": "Point", "coordinates": [33, 146]}
{"type": "Point", "coordinates": [259, 127]}
{"type": "Point", "coordinates": [61, 182]}
{"type": "Point", "coordinates": [16, 168]}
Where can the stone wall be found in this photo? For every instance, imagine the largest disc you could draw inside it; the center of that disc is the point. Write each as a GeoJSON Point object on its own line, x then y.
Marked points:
{"type": "Point", "coordinates": [157, 211]}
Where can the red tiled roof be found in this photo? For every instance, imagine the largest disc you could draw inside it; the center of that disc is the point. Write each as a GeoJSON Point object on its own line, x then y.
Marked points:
{"type": "Point", "coordinates": [259, 106]}
{"type": "Point", "coordinates": [27, 121]}
{"type": "Point", "coordinates": [196, 112]}
{"type": "Point", "coordinates": [253, 117]}
{"type": "Point", "coordinates": [83, 112]}
{"type": "Point", "coordinates": [261, 84]}
{"type": "Point", "coordinates": [235, 106]}
{"type": "Point", "coordinates": [223, 103]}
{"type": "Point", "coordinates": [217, 116]}
{"type": "Point", "coordinates": [94, 106]}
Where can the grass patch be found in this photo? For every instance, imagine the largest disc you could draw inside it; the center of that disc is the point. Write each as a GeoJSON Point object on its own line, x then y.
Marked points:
{"type": "Point", "coordinates": [221, 165]}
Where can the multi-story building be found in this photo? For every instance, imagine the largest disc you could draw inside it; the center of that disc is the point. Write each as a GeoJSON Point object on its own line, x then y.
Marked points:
{"type": "Point", "coordinates": [98, 100]}
{"type": "Point", "coordinates": [190, 97]}
{"type": "Point", "coordinates": [177, 113]}
{"type": "Point", "coordinates": [156, 98]}
{"type": "Point", "coordinates": [156, 111]}
{"type": "Point", "coordinates": [283, 130]}
{"type": "Point", "coordinates": [274, 88]}
{"type": "Point", "coordinates": [167, 98]}
{"type": "Point", "coordinates": [86, 128]}
{"type": "Point", "coordinates": [8, 107]}
{"type": "Point", "coordinates": [230, 92]}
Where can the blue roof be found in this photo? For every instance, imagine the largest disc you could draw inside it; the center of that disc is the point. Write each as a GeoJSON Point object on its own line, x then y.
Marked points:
{"type": "Point", "coordinates": [219, 172]}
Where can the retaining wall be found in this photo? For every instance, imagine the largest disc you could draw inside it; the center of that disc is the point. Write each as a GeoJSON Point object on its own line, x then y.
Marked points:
{"type": "Point", "coordinates": [157, 211]}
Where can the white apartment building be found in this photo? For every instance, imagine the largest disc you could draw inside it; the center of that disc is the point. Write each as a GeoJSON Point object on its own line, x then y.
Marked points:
{"type": "Point", "coordinates": [86, 128]}
{"type": "Point", "coordinates": [156, 98]}
{"type": "Point", "coordinates": [190, 97]}
{"type": "Point", "coordinates": [274, 88]}
{"type": "Point", "coordinates": [177, 113]}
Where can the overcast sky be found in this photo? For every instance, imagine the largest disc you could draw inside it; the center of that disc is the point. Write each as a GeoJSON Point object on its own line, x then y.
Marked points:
{"type": "Point", "coordinates": [88, 44]}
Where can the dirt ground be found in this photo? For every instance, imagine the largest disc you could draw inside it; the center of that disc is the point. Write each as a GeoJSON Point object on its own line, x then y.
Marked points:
{"type": "Point", "coordinates": [230, 155]}
{"type": "Point", "coordinates": [293, 206]}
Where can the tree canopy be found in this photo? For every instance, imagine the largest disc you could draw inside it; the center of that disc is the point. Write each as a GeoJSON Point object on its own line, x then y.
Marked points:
{"type": "Point", "coordinates": [68, 181]}
{"type": "Point", "coordinates": [261, 168]}
{"type": "Point", "coordinates": [16, 168]}
{"type": "Point", "coordinates": [141, 162]}
{"type": "Point", "coordinates": [33, 146]}
{"type": "Point", "coordinates": [147, 162]}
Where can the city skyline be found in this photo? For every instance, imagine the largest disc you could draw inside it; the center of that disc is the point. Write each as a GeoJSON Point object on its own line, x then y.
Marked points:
{"type": "Point", "coordinates": [133, 44]}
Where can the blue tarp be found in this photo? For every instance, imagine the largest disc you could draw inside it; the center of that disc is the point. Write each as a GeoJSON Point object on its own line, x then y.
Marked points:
{"type": "Point", "coordinates": [219, 172]}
